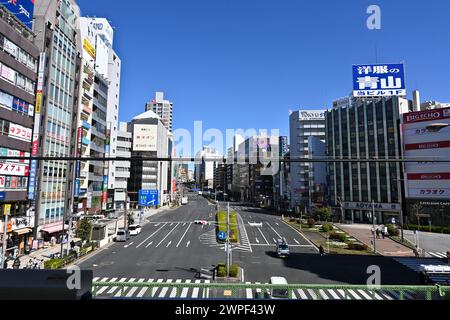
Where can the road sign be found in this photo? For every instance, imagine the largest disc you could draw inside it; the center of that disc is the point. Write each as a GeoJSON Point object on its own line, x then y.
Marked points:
{"type": "Point", "coordinates": [148, 198]}
{"type": "Point", "coordinates": [222, 236]}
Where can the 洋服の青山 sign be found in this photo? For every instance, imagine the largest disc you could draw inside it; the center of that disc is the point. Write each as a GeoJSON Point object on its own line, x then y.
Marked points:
{"type": "Point", "coordinates": [377, 80]}
{"type": "Point", "coordinates": [22, 10]}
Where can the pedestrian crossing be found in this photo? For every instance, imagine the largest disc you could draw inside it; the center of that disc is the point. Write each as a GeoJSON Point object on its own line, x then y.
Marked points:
{"type": "Point", "coordinates": [210, 239]}
{"type": "Point", "coordinates": [416, 263]}
{"type": "Point", "coordinates": [439, 255]}
{"type": "Point", "coordinates": [162, 291]}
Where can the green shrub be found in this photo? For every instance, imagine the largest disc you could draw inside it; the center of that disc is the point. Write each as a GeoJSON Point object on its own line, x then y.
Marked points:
{"type": "Point", "coordinates": [234, 270]}
{"type": "Point", "coordinates": [311, 223]}
{"type": "Point", "coordinates": [433, 229]}
{"type": "Point", "coordinates": [327, 227]}
{"type": "Point", "coordinates": [341, 237]}
{"type": "Point", "coordinates": [222, 225]}
{"type": "Point", "coordinates": [357, 247]}
{"type": "Point", "coordinates": [221, 271]}
{"type": "Point", "coordinates": [393, 231]}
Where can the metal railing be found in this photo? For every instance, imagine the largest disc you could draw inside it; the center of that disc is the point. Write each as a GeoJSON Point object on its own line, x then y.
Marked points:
{"type": "Point", "coordinates": [237, 291]}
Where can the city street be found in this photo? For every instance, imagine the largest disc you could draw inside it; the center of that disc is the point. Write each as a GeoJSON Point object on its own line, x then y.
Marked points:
{"type": "Point", "coordinates": [435, 245]}
{"type": "Point", "coordinates": [171, 248]}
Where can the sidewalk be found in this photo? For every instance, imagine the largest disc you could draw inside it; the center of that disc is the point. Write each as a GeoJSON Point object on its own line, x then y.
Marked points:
{"type": "Point", "coordinates": [385, 247]}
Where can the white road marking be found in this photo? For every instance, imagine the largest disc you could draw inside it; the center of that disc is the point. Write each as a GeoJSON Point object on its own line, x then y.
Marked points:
{"type": "Point", "coordinates": [156, 225]}
{"type": "Point", "coordinates": [257, 240]}
{"type": "Point", "coordinates": [188, 243]}
{"type": "Point", "coordinates": [171, 224]}
{"type": "Point", "coordinates": [134, 289]}
{"type": "Point", "coordinates": [128, 245]}
{"type": "Point", "coordinates": [296, 241]}
{"type": "Point", "coordinates": [149, 244]}
{"type": "Point", "coordinates": [249, 292]}
{"type": "Point", "coordinates": [306, 239]}
{"type": "Point", "coordinates": [313, 294]}
{"type": "Point", "coordinates": [184, 224]}
{"type": "Point", "coordinates": [277, 224]}
{"type": "Point", "coordinates": [184, 234]}
{"type": "Point", "coordinates": [274, 240]}
{"type": "Point", "coordinates": [184, 292]}
{"type": "Point", "coordinates": [275, 231]}
{"type": "Point", "coordinates": [167, 236]}
{"type": "Point", "coordinates": [303, 296]}
{"type": "Point", "coordinates": [168, 245]}
{"type": "Point", "coordinates": [143, 290]}
{"type": "Point", "coordinates": [95, 279]}
{"type": "Point", "coordinates": [260, 231]}
{"type": "Point", "coordinates": [365, 295]}
{"type": "Point", "coordinates": [120, 293]}
{"type": "Point", "coordinates": [323, 294]}
{"type": "Point", "coordinates": [103, 289]}
{"type": "Point", "coordinates": [156, 288]}
{"type": "Point", "coordinates": [150, 236]}
{"type": "Point", "coordinates": [173, 294]}
{"type": "Point", "coordinates": [114, 288]}
{"type": "Point", "coordinates": [353, 293]}
{"type": "Point", "coordinates": [334, 295]}
{"type": "Point", "coordinates": [196, 290]}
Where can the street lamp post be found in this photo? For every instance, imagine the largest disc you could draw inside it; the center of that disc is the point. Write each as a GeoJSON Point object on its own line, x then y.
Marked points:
{"type": "Point", "coordinates": [374, 231]}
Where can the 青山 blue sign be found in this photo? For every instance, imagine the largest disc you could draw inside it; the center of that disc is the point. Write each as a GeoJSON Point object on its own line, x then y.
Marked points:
{"type": "Point", "coordinates": [378, 80]}
{"type": "Point", "coordinates": [148, 198]}
{"type": "Point", "coordinates": [222, 236]}
{"type": "Point", "coordinates": [22, 9]}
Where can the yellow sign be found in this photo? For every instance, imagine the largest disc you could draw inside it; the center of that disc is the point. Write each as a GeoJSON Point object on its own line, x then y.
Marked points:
{"type": "Point", "coordinates": [38, 103]}
{"type": "Point", "coordinates": [89, 48]}
{"type": "Point", "coordinates": [7, 210]}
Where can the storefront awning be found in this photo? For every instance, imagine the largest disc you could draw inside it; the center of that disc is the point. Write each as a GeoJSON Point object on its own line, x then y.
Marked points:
{"type": "Point", "coordinates": [54, 229]}
{"type": "Point", "coordinates": [23, 231]}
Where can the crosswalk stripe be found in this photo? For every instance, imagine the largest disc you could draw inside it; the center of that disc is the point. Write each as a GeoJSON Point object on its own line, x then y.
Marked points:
{"type": "Point", "coordinates": [164, 290]}
{"type": "Point", "coordinates": [323, 294]}
{"type": "Point", "coordinates": [353, 293]}
{"type": "Point", "coordinates": [249, 292]}
{"type": "Point", "coordinates": [121, 292]}
{"type": "Point", "coordinates": [154, 289]}
{"type": "Point", "coordinates": [294, 296]}
{"type": "Point", "coordinates": [102, 289]}
{"type": "Point", "coordinates": [173, 294]}
{"type": "Point", "coordinates": [387, 295]}
{"type": "Point", "coordinates": [184, 292]}
{"type": "Point", "coordinates": [114, 288]}
{"type": "Point", "coordinates": [95, 279]}
{"type": "Point", "coordinates": [438, 254]}
{"type": "Point", "coordinates": [312, 294]}
{"type": "Point", "coordinates": [207, 289]}
{"type": "Point", "coordinates": [303, 296]}
{"type": "Point", "coordinates": [344, 294]}
{"type": "Point", "coordinates": [333, 294]}
{"type": "Point", "coordinates": [196, 290]}
{"type": "Point", "coordinates": [144, 290]}
{"type": "Point", "coordinates": [365, 295]}
{"type": "Point", "coordinates": [134, 289]}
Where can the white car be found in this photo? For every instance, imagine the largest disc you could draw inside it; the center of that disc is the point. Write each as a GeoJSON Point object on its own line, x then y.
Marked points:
{"type": "Point", "coordinates": [202, 222]}
{"type": "Point", "coordinates": [135, 229]}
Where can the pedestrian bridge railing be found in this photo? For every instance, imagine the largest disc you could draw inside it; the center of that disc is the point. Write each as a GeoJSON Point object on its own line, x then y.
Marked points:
{"type": "Point", "coordinates": [240, 291]}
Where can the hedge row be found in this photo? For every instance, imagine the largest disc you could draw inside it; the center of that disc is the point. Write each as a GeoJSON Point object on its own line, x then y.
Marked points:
{"type": "Point", "coordinates": [433, 229]}
{"type": "Point", "coordinates": [222, 222]}
{"type": "Point", "coordinates": [222, 270]}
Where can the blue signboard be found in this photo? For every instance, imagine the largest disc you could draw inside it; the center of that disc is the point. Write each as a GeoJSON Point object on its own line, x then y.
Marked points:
{"type": "Point", "coordinates": [222, 236]}
{"type": "Point", "coordinates": [22, 9]}
{"type": "Point", "coordinates": [378, 80]}
{"type": "Point", "coordinates": [32, 182]}
{"type": "Point", "coordinates": [148, 198]}
{"type": "Point", "coordinates": [77, 188]}
{"type": "Point", "coordinates": [2, 196]}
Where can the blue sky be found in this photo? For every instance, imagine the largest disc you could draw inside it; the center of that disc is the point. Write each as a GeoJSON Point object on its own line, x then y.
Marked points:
{"type": "Point", "coordinates": [246, 63]}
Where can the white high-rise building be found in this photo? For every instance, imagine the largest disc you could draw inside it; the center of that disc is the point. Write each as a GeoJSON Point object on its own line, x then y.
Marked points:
{"type": "Point", "coordinates": [163, 108]}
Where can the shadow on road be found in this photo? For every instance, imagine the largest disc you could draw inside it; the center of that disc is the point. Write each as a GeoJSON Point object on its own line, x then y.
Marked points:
{"type": "Point", "coordinates": [351, 269]}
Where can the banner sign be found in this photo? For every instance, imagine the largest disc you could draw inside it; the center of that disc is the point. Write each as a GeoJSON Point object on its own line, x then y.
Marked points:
{"type": "Point", "coordinates": [378, 80]}
{"type": "Point", "coordinates": [148, 198]}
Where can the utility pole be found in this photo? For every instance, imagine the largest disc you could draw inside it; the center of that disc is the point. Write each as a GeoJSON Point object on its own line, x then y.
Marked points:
{"type": "Point", "coordinates": [374, 231]}
{"type": "Point", "coordinates": [126, 211]}
{"type": "Point", "coordinates": [5, 235]}
{"type": "Point", "coordinates": [228, 240]}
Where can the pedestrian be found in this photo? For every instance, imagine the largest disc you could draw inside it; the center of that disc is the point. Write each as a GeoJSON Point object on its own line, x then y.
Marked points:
{"type": "Point", "coordinates": [373, 231]}
{"type": "Point", "coordinates": [35, 263]}
{"type": "Point", "coordinates": [386, 233]}
{"type": "Point", "coordinates": [29, 264]}
{"type": "Point", "coordinates": [378, 233]}
{"type": "Point", "coordinates": [16, 264]}
{"type": "Point", "coordinates": [322, 251]}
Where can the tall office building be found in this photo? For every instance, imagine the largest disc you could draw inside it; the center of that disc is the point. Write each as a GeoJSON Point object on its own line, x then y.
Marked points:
{"type": "Point", "coordinates": [97, 125]}
{"type": "Point", "coordinates": [365, 129]}
{"type": "Point", "coordinates": [163, 108]}
{"type": "Point", "coordinates": [19, 59]}
{"type": "Point", "coordinates": [204, 170]}
{"type": "Point", "coordinates": [122, 169]}
{"type": "Point", "coordinates": [55, 27]}
{"type": "Point", "coordinates": [150, 140]}
{"type": "Point", "coordinates": [303, 124]}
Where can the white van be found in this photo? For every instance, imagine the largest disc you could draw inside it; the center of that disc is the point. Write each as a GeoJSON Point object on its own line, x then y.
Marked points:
{"type": "Point", "coordinates": [134, 229]}
{"type": "Point", "coordinates": [278, 293]}
{"type": "Point", "coordinates": [121, 235]}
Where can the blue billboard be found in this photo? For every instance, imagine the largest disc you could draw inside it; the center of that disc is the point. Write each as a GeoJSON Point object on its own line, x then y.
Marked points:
{"type": "Point", "coordinates": [379, 80]}
{"type": "Point", "coordinates": [32, 180]}
{"type": "Point", "coordinates": [22, 9]}
{"type": "Point", "coordinates": [148, 198]}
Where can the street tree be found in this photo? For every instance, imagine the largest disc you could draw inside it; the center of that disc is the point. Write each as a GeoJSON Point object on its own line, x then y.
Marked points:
{"type": "Point", "coordinates": [84, 230]}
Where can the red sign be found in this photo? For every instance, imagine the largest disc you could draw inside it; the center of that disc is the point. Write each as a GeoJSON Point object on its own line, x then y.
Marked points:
{"type": "Point", "coordinates": [429, 176]}
{"type": "Point", "coordinates": [428, 115]}
{"type": "Point", "coordinates": [428, 145]}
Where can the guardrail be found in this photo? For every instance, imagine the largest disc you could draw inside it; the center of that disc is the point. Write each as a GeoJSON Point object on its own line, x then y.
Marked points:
{"type": "Point", "coordinates": [235, 290]}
